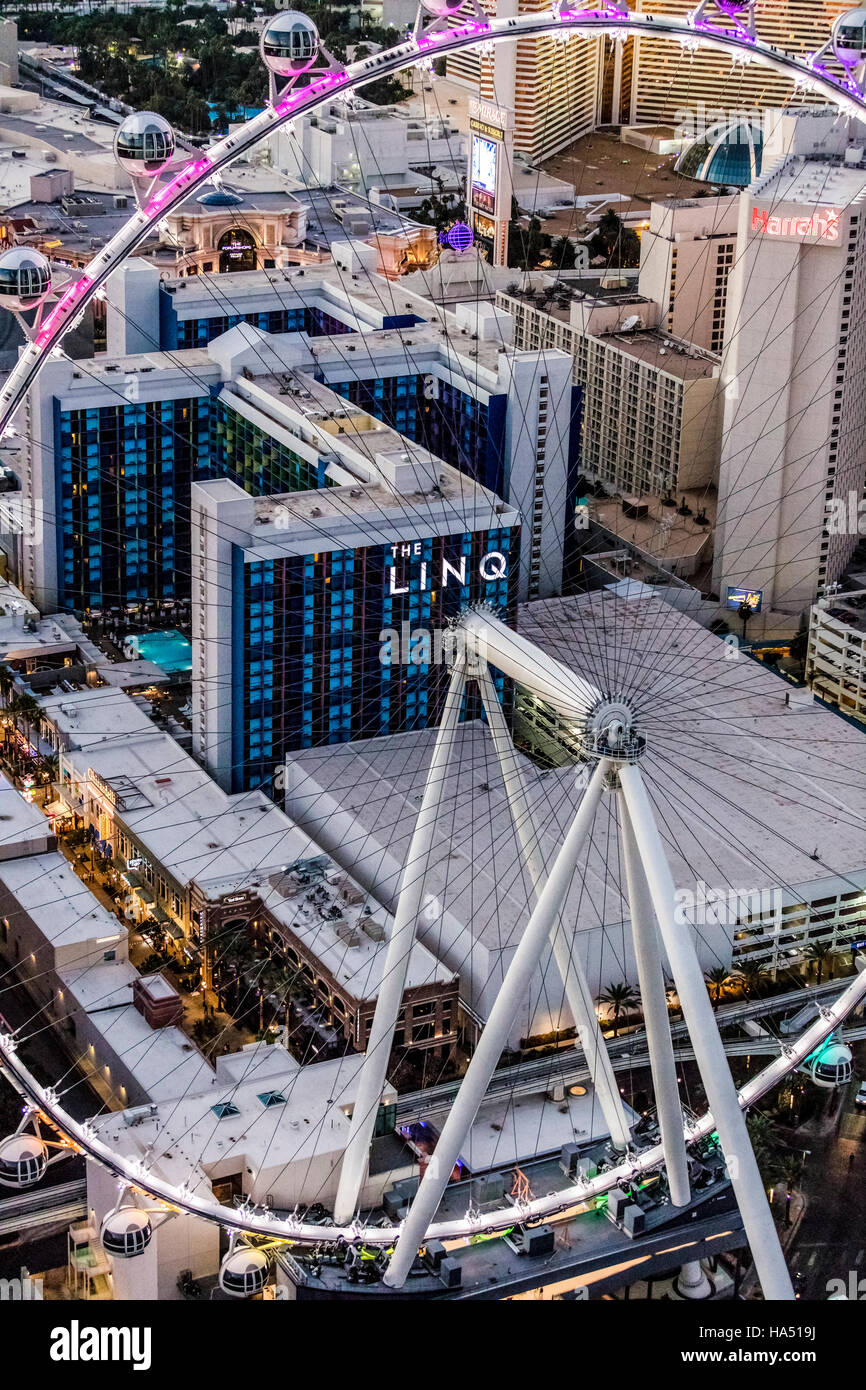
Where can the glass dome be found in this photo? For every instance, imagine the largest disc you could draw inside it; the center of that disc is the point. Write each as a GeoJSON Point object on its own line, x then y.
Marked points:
{"type": "Point", "coordinates": [219, 198]}
{"type": "Point", "coordinates": [727, 154]}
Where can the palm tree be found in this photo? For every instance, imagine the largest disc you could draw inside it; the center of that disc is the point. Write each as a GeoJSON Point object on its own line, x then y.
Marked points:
{"type": "Point", "coordinates": [275, 977]}
{"type": "Point", "coordinates": [717, 979]}
{"type": "Point", "coordinates": [48, 768]}
{"type": "Point", "coordinates": [816, 954]}
{"type": "Point", "coordinates": [752, 976]}
{"type": "Point", "coordinates": [7, 683]}
{"type": "Point", "coordinates": [765, 1146]}
{"type": "Point", "coordinates": [618, 998]}
{"type": "Point", "coordinates": [27, 709]}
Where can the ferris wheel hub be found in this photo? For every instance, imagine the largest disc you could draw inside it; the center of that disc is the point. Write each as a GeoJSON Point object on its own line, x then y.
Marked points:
{"type": "Point", "coordinates": [611, 732]}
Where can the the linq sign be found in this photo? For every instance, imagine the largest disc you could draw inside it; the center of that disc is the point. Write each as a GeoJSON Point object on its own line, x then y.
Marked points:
{"type": "Point", "coordinates": [493, 565]}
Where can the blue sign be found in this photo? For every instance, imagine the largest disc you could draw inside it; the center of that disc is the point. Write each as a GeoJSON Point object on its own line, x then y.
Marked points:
{"type": "Point", "coordinates": [752, 597]}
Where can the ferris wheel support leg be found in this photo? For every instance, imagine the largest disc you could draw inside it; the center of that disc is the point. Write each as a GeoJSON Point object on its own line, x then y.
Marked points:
{"type": "Point", "coordinates": [494, 1036]}
{"type": "Point", "coordinates": [390, 1001]}
{"type": "Point", "coordinates": [709, 1052]}
{"type": "Point", "coordinates": [647, 950]}
{"type": "Point", "coordinates": [568, 962]}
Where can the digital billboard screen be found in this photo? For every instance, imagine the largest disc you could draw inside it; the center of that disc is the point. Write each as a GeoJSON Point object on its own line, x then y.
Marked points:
{"type": "Point", "coordinates": [484, 156]}
{"type": "Point", "coordinates": [752, 597]}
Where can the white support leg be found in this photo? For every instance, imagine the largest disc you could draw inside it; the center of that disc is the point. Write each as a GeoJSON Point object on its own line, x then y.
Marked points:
{"type": "Point", "coordinates": [568, 962]}
{"type": "Point", "coordinates": [655, 1012]}
{"type": "Point", "coordinates": [692, 1283]}
{"type": "Point", "coordinates": [709, 1052]}
{"type": "Point", "coordinates": [390, 1000]}
{"type": "Point", "coordinates": [494, 1036]}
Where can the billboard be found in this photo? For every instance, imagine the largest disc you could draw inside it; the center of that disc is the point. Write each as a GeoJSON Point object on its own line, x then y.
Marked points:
{"type": "Point", "coordinates": [483, 180]}
{"type": "Point", "coordinates": [753, 597]}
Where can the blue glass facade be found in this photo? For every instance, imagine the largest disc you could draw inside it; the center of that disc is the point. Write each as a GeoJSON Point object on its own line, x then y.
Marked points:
{"type": "Point", "coordinates": [123, 482]}
{"type": "Point", "coordinates": [309, 644]}
{"type": "Point", "coordinates": [198, 332]}
{"type": "Point", "coordinates": [452, 425]}
{"type": "Point", "coordinates": [257, 462]}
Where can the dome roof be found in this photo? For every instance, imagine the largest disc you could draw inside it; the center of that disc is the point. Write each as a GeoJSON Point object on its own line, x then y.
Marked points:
{"type": "Point", "coordinates": [220, 198]}
{"type": "Point", "coordinates": [728, 153]}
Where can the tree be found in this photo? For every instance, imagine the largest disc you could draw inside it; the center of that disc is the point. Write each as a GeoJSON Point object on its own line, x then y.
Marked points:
{"type": "Point", "coordinates": [717, 979]}
{"type": "Point", "coordinates": [618, 245]}
{"type": "Point", "coordinates": [818, 953]}
{"type": "Point", "coordinates": [765, 1146]}
{"type": "Point", "coordinates": [752, 976]}
{"type": "Point", "coordinates": [275, 977]}
{"type": "Point", "coordinates": [619, 998]}
{"type": "Point", "coordinates": [563, 255]}
{"type": "Point", "coordinates": [28, 710]}
{"type": "Point", "coordinates": [7, 683]}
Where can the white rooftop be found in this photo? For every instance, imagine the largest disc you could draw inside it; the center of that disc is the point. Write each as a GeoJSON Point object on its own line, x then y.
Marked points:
{"type": "Point", "coordinates": [54, 897]}
{"type": "Point", "coordinates": [163, 1061]}
{"type": "Point", "coordinates": [23, 828]}
{"type": "Point", "coordinates": [187, 1138]}
{"type": "Point", "coordinates": [750, 793]}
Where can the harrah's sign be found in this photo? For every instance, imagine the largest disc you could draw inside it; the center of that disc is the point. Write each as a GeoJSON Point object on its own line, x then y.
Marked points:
{"type": "Point", "coordinates": [821, 226]}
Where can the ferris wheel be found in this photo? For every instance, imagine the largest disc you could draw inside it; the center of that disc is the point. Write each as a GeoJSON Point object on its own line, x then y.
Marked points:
{"type": "Point", "coordinates": [616, 707]}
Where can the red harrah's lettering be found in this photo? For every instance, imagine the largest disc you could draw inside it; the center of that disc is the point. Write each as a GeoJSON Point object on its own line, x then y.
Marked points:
{"type": "Point", "coordinates": [822, 225]}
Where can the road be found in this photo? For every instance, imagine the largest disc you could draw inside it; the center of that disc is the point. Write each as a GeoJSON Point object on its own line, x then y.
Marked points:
{"type": "Point", "coordinates": [831, 1241]}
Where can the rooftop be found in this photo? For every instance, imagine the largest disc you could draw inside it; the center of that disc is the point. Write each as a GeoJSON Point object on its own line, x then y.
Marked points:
{"type": "Point", "coordinates": [23, 827]}
{"type": "Point", "coordinates": [188, 1138]}
{"type": "Point", "coordinates": [164, 1063]}
{"type": "Point", "coordinates": [54, 897]}
{"type": "Point", "coordinates": [813, 181]}
{"type": "Point", "coordinates": [223, 843]}
{"type": "Point", "coordinates": [719, 824]}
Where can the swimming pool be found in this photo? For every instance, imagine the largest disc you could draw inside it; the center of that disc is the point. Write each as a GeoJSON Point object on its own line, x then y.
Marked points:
{"type": "Point", "coordinates": [169, 649]}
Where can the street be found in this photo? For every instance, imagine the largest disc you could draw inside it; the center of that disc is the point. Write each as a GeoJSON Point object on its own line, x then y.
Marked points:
{"type": "Point", "coordinates": [831, 1240]}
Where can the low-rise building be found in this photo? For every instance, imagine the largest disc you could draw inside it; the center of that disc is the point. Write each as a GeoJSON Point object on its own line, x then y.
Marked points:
{"type": "Point", "coordinates": [199, 865]}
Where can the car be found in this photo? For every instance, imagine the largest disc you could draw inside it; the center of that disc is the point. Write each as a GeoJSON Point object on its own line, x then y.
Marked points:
{"type": "Point", "coordinates": [860, 1098]}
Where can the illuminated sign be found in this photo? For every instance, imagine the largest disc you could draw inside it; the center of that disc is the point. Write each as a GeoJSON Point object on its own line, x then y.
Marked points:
{"type": "Point", "coordinates": [493, 565]}
{"type": "Point", "coordinates": [821, 226]}
{"type": "Point", "coordinates": [492, 132]}
{"type": "Point", "coordinates": [483, 181]}
{"type": "Point", "coordinates": [487, 119]}
{"type": "Point", "coordinates": [752, 597]}
{"type": "Point", "coordinates": [459, 237]}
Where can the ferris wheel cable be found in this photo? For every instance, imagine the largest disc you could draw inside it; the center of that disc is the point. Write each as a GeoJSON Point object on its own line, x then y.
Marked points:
{"type": "Point", "coordinates": [674, 737]}
{"type": "Point", "coordinates": [737, 328]}
{"type": "Point", "coordinates": [725, 833]}
{"type": "Point", "coordinates": [298, 102]}
{"type": "Point", "coordinates": [807, 530]}
{"type": "Point", "coordinates": [374, 1235]}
